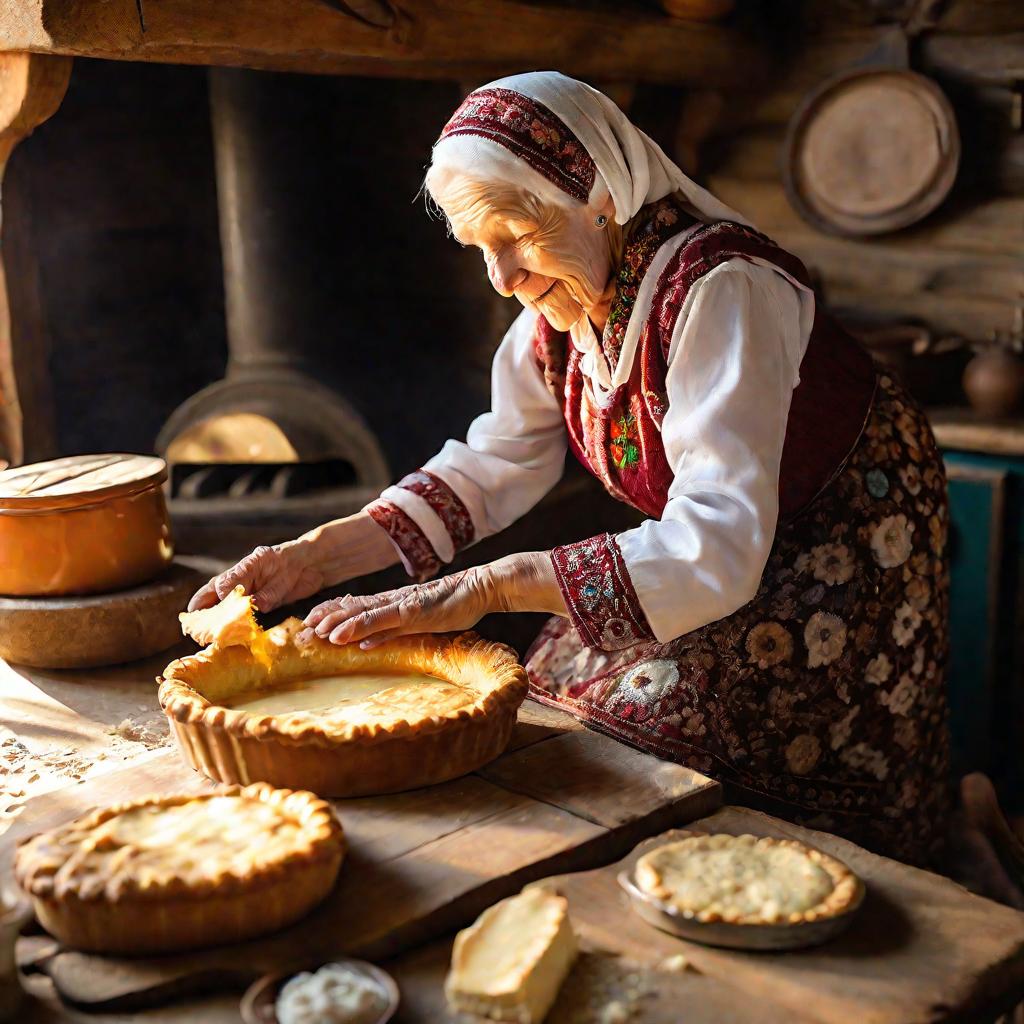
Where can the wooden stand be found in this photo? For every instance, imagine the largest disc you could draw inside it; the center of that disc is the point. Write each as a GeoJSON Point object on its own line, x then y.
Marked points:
{"type": "Point", "coordinates": [102, 629]}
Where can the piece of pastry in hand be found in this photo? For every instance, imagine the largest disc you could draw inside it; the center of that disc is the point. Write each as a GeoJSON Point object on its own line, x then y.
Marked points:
{"type": "Point", "coordinates": [166, 874]}
{"type": "Point", "coordinates": [510, 964]}
{"type": "Point", "coordinates": [747, 880]}
{"type": "Point", "coordinates": [230, 623]}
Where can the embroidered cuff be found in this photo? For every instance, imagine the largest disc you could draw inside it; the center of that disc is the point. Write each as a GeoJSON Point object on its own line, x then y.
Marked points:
{"type": "Point", "coordinates": [599, 594]}
{"type": "Point", "coordinates": [418, 557]}
{"type": "Point", "coordinates": [445, 503]}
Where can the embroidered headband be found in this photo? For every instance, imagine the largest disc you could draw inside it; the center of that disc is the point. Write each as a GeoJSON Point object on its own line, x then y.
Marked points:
{"type": "Point", "coordinates": [530, 131]}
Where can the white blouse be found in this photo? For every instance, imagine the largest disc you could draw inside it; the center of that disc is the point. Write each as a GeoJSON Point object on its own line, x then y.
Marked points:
{"type": "Point", "coordinates": [733, 363]}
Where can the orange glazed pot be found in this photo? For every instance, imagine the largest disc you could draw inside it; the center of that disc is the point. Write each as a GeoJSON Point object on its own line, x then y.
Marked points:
{"type": "Point", "coordinates": [86, 524]}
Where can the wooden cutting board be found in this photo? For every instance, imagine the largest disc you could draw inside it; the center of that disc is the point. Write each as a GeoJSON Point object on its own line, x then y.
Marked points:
{"type": "Point", "coordinates": [922, 950]}
{"type": "Point", "coordinates": [420, 864]}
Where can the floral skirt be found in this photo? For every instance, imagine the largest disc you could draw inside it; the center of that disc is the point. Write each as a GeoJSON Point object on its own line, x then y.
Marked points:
{"type": "Point", "coordinates": [822, 700]}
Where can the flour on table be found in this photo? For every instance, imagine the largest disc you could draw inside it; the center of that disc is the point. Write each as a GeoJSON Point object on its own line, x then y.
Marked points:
{"type": "Point", "coordinates": [150, 730]}
{"type": "Point", "coordinates": [603, 989]}
{"type": "Point", "coordinates": [27, 771]}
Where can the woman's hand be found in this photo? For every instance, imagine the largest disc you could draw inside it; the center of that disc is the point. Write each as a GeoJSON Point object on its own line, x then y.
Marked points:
{"type": "Point", "coordinates": [330, 554]}
{"type": "Point", "coordinates": [451, 603]}
{"type": "Point", "coordinates": [516, 583]}
{"type": "Point", "coordinates": [272, 575]}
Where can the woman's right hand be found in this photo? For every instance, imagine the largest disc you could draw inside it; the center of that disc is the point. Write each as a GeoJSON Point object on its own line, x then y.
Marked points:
{"type": "Point", "coordinates": [273, 576]}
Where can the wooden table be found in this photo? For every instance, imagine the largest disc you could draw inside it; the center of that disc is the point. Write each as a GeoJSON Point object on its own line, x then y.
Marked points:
{"type": "Point", "coordinates": [420, 864]}
{"type": "Point", "coordinates": [60, 728]}
{"type": "Point", "coordinates": [921, 950]}
{"type": "Point", "coordinates": [575, 801]}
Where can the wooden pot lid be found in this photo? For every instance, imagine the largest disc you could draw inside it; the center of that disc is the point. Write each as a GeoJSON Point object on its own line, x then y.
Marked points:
{"type": "Point", "coordinates": [78, 480]}
{"type": "Point", "coordinates": [871, 151]}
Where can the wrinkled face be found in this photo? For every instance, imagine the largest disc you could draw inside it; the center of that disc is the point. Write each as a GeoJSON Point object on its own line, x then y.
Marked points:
{"type": "Point", "coordinates": [556, 260]}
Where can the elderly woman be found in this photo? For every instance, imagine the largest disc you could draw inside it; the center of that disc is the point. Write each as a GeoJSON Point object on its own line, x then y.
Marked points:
{"type": "Point", "coordinates": [779, 619]}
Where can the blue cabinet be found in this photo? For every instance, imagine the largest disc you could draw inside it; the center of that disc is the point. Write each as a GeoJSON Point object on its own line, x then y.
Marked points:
{"type": "Point", "coordinates": [986, 694]}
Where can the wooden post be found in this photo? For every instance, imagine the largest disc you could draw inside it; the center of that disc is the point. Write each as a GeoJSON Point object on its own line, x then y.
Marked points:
{"type": "Point", "coordinates": [31, 88]}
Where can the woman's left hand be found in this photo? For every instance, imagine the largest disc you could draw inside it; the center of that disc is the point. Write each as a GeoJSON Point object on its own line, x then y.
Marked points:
{"type": "Point", "coordinates": [450, 603]}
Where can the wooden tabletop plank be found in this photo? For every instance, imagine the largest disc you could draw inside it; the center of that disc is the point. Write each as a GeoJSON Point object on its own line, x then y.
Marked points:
{"type": "Point", "coordinates": [602, 780]}
{"type": "Point", "coordinates": [922, 950]}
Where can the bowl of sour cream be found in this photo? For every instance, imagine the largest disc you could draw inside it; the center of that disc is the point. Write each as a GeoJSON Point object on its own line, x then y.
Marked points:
{"type": "Point", "coordinates": [338, 992]}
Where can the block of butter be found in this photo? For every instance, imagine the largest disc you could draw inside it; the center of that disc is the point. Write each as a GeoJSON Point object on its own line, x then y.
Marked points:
{"type": "Point", "coordinates": [510, 964]}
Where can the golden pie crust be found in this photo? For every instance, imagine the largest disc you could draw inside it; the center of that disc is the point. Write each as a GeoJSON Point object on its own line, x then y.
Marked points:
{"type": "Point", "coordinates": [747, 880]}
{"type": "Point", "coordinates": [415, 744]}
{"type": "Point", "coordinates": [173, 873]}
{"type": "Point", "coordinates": [231, 622]}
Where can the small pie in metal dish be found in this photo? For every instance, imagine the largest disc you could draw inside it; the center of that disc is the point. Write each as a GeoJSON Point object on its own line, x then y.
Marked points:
{"type": "Point", "coordinates": [166, 874]}
{"type": "Point", "coordinates": [747, 880]}
{"type": "Point", "coordinates": [294, 710]}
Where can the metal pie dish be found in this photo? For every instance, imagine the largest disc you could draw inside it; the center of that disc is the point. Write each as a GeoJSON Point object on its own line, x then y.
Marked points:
{"type": "Point", "coordinates": [731, 935]}
{"type": "Point", "coordinates": [259, 1004]}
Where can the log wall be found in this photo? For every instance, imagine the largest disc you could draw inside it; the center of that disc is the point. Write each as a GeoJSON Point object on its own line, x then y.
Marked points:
{"type": "Point", "coordinates": [961, 270]}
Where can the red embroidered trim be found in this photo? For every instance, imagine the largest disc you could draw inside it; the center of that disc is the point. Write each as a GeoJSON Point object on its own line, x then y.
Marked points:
{"type": "Point", "coordinates": [530, 131]}
{"type": "Point", "coordinates": [422, 561]}
{"type": "Point", "coordinates": [445, 502]}
{"type": "Point", "coordinates": [599, 594]}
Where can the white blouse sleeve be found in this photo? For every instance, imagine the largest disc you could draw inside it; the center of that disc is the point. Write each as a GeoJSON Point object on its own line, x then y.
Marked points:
{"type": "Point", "coordinates": [733, 363]}
{"type": "Point", "coordinates": [512, 456]}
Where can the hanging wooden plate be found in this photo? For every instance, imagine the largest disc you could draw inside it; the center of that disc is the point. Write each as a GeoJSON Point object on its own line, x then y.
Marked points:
{"type": "Point", "coordinates": [871, 150]}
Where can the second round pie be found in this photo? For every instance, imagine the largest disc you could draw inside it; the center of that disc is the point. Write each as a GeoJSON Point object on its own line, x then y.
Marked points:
{"type": "Point", "coordinates": [747, 880]}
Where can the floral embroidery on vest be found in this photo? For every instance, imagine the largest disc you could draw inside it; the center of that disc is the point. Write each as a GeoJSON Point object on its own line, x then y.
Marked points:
{"type": "Point", "coordinates": [655, 225]}
{"type": "Point", "coordinates": [624, 451]}
{"type": "Point", "coordinates": [530, 131]}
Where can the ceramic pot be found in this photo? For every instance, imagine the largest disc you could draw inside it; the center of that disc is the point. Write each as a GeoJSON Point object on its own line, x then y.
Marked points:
{"type": "Point", "coordinates": [994, 382]}
{"type": "Point", "coordinates": [86, 524]}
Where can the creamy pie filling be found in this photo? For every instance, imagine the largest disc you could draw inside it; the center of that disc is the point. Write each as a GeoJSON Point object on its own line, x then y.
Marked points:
{"type": "Point", "coordinates": [361, 698]}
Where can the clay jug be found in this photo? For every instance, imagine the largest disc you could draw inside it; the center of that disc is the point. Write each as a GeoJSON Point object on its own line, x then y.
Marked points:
{"type": "Point", "coordinates": [994, 381]}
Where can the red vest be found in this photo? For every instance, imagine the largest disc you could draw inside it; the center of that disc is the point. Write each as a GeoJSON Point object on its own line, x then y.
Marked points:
{"type": "Point", "coordinates": [621, 444]}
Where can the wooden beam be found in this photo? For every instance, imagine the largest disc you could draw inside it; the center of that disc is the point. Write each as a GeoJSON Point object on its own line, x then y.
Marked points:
{"type": "Point", "coordinates": [31, 88]}
{"type": "Point", "coordinates": [451, 39]}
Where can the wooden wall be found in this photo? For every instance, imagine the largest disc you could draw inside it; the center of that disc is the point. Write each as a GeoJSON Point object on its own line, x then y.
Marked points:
{"type": "Point", "coordinates": [960, 271]}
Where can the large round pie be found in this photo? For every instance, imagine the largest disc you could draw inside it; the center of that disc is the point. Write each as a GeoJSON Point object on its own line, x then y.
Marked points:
{"type": "Point", "coordinates": [747, 880]}
{"type": "Point", "coordinates": [295, 710]}
{"type": "Point", "coordinates": [182, 872]}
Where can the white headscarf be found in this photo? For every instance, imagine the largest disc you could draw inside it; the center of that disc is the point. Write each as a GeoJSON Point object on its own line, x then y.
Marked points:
{"type": "Point", "coordinates": [630, 166]}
